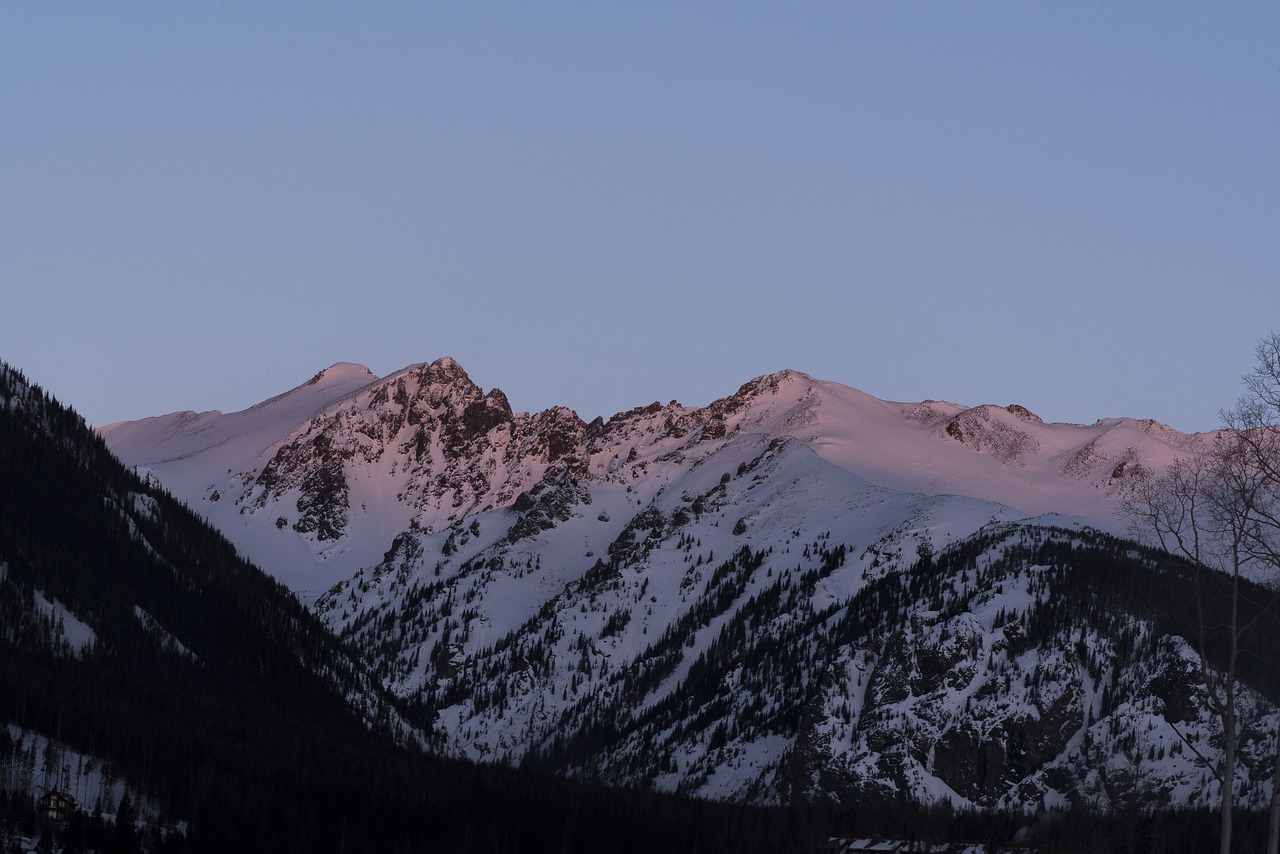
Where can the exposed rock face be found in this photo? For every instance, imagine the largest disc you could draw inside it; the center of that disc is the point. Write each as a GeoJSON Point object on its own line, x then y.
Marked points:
{"type": "Point", "coordinates": [1024, 414]}
{"type": "Point", "coordinates": [989, 429]}
{"type": "Point", "coordinates": [450, 446]}
{"type": "Point", "coordinates": [456, 450]}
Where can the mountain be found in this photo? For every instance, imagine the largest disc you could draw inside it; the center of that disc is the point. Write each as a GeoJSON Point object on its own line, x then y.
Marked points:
{"type": "Point", "coordinates": [136, 645]}
{"type": "Point", "coordinates": [796, 593]}
{"type": "Point", "coordinates": [317, 482]}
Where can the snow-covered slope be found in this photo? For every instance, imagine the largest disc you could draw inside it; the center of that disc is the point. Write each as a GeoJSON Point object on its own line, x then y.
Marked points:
{"type": "Point", "coordinates": [678, 597]}
{"type": "Point", "coordinates": [316, 483]}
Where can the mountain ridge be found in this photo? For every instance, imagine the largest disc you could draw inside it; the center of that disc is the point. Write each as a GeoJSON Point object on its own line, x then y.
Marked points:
{"type": "Point", "coordinates": [907, 446]}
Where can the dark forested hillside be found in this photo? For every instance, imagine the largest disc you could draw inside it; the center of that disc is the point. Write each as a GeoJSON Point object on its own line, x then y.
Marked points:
{"type": "Point", "coordinates": [132, 632]}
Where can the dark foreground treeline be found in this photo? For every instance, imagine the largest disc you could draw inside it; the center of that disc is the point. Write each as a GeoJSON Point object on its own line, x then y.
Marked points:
{"type": "Point", "coordinates": [258, 783]}
{"type": "Point", "coordinates": [1173, 832]}
{"type": "Point", "coordinates": [572, 818]}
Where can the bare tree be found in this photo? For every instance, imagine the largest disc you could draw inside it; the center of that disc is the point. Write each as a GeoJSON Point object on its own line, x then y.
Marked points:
{"type": "Point", "coordinates": [1255, 422]}
{"type": "Point", "coordinates": [1198, 510]}
{"type": "Point", "coordinates": [1221, 512]}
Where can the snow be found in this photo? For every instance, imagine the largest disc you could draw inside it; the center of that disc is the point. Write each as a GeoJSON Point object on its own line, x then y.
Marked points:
{"type": "Point", "coordinates": [166, 639]}
{"type": "Point", "coordinates": [208, 459]}
{"type": "Point", "coordinates": [41, 764]}
{"type": "Point", "coordinates": [79, 635]}
{"type": "Point", "coordinates": [199, 455]}
{"type": "Point", "coordinates": [804, 464]}
{"type": "Point", "coordinates": [889, 444]}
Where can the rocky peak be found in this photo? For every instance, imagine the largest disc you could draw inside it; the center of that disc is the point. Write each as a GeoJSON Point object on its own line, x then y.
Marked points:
{"type": "Point", "coordinates": [444, 371]}
{"type": "Point", "coordinates": [557, 433]}
{"type": "Point", "coordinates": [484, 414]}
{"type": "Point", "coordinates": [770, 384]}
{"type": "Point", "coordinates": [442, 381]}
{"type": "Point", "coordinates": [621, 418]}
{"type": "Point", "coordinates": [438, 395]}
{"type": "Point", "coordinates": [1023, 413]}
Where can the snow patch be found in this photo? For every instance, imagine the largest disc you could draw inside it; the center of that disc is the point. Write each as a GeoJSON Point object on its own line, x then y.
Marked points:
{"type": "Point", "coordinates": [78, 634]}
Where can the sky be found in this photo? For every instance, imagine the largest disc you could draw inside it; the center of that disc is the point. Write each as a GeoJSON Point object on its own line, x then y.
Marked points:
{"type": "Point", "coordinates": [1070, 206]}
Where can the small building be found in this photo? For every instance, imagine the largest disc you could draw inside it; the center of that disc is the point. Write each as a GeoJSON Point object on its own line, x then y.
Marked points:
{"type": "Point", "coordinates": [57, 806]}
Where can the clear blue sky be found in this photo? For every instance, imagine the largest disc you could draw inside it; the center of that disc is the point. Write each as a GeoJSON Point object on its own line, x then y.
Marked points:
{"type": "Point", "coordinates": [1072, 206]}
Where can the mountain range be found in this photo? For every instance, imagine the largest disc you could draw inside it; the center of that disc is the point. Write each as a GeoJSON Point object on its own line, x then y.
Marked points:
{"type": "Point", "coordinates": [174, 698]}
{"type": "Point", "coordinates": [318, 481]}
{"type": "Point", "coordinates": [797, 593]}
